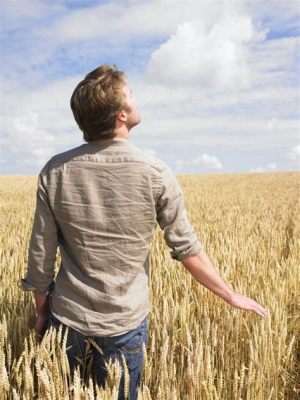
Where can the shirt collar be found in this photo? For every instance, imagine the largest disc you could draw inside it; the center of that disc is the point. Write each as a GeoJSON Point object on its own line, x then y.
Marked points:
{"type": "Point", "coordinates": [111, 140]}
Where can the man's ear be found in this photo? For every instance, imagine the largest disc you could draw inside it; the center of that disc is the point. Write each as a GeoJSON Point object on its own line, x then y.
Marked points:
{"type": "Point", "coordinates": [122, 116]}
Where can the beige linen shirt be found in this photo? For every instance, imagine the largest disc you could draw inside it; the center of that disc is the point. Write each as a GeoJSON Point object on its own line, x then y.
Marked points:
{"type": "Point", "coordinates": [100, 203]}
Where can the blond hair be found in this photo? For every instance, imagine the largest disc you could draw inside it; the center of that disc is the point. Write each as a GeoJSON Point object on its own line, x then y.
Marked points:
{"type": "Point", "coordinates": [96, 101]}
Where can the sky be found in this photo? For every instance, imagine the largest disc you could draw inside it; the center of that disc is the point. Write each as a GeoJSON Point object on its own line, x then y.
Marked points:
{"type": "Point", "coordinates": [216, 83]}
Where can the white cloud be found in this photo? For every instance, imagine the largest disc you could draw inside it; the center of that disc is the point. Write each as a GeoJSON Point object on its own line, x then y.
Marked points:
{"type": "Point", "coordinates": [41, 123]}
{"type": "Point", "coordinates": [150, 151]}
{"type": "Point", "coordinates": [214, 57]}
{"type": "Point", "coordinates": [179, 163]}
{"type": "Point", "coordinates": [27, 138]}
{"type": "Point", "coordinates": [118, 22]}
{"type": "Point", "coordinates": [275, 13]}
{"type": "Point", "coordinates": [185, 117]}
{"type": "Point", "coordinates": [258, 169]}
{"type": "Point", "coordinates": [294, 153]}
{"type": "Point", "coordinates": [15, 13]}
{"type": "Point", "coordinates": [180, 101]}
{"type": "Point", "coordinates": [273, 62]}
{"type": "Point", "coordinates": [272, 124]}
{"type": "Point", "coordinates": [171, 116]}
{"type": "Point", "coordinates": [245, 98]}
{"type": "Point", "coordinates": [268, 168]}
{"type": "Point", "coordinates": [271, 166]}
{"type": "Point", "coordinates": [31, 9]}
{"type": "Point", "coordinates": [208, 161]}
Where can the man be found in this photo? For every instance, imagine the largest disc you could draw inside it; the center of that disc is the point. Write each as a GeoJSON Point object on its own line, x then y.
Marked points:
{"type": "Point", "coordinates": [100, 203]}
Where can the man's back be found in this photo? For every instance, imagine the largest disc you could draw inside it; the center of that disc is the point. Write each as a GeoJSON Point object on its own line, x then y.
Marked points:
{"type": "Point", "coordinates": [105, 199]}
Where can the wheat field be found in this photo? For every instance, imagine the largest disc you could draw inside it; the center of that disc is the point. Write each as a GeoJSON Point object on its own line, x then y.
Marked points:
{"type": "Point", "coordinates": [199, 347]}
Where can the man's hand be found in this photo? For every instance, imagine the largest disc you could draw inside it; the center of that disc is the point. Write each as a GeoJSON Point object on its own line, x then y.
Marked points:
{"type": "Point", "coordinates": [245, 303]}
{"type": "Point", "coordinates": [42, 314]}
{"type": "Point", "coordinates": [201, 267]}
{"type": "Point", "coordinates": [41, 325]}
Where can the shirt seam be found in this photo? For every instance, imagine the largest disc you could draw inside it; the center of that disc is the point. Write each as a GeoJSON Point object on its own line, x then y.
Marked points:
{"type": "Point", "coordinates": [50, 166]}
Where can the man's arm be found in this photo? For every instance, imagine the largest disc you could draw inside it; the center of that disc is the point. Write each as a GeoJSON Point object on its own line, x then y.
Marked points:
{"type": "Point", "coordinates": [41, 256]}
{"type": "Point", "coordinates": [180, 236]}
{"type": "Point", "coordinates": [201, 267]}
{"type": "Point", "coordinates": [172, 218]}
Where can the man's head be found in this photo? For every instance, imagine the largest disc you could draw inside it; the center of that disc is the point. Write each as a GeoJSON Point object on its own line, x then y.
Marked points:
{"type": "Point", "coordinates": [102, 103]}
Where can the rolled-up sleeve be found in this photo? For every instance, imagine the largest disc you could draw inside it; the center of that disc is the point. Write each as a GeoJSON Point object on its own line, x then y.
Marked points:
{"type": "Point", "coordinates": [43, 244]}
{"type": "Point", "coordinates": [172, 218]}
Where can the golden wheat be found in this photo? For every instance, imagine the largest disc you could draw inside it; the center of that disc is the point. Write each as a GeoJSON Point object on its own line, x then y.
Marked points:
{"type": "Point", "coordinates": [199, 348]}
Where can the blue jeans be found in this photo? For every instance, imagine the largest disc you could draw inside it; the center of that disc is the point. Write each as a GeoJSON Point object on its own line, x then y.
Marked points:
{"type": "Point", "coordinates": [130, 344]}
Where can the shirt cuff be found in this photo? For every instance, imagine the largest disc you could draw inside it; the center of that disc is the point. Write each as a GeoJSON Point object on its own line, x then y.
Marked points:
{"type": "Point", "coordinates": [191, 251]}
{"type": "Point", "coordinates": [27, 286]}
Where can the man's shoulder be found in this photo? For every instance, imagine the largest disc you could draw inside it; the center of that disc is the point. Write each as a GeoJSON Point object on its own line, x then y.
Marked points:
{"type": "Point", "coordinates": [62, 158]}
{"type": "Point", "coordinates": [153, 161]}
{"type": "Point", "coordinates": [58, 161]}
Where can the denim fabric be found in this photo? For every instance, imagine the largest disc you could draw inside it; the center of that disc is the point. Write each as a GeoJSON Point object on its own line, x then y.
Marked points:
{"type": "Point", "coordinates": [100, 203]}
{"type": "Point", "coordinates": [130, 344]}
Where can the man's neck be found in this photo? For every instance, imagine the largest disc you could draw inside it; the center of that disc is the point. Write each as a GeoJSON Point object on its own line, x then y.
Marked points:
{"type": "Point", "coordinates": [121, 134]}
{"type": "Point", "coordinates": [121, 131]}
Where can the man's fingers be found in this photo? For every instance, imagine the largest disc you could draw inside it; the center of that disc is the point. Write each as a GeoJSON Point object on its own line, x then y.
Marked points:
{"type": "Point", "coordinates": [248, 304]}
{"type": "Point", "coordinates": [262, 310]}
{"type": "Point", "coordinates": [260, 313]}
{"type": "Point", "coordinates": [258, 309]}
{"type": "Point", "coordinates": [38, 338]}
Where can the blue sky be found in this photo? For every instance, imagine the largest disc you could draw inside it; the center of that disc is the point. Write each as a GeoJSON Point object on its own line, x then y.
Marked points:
{"type": "Point", "coordinates": [215, 82]}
